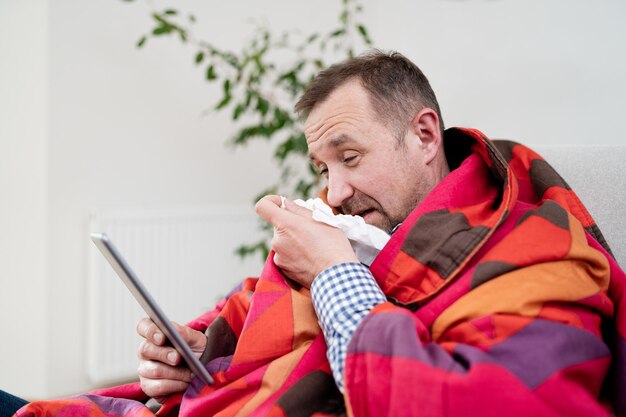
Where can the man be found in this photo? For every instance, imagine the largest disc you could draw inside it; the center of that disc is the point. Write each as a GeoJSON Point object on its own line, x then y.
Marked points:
{"type": "Point", "coordinates": [374, 131]}
{"type": "Point", "coordinates": [396, 167]}
{"type": "Point", "coordinates": [394, 163]}
{"type": "Point", "coordinates": [492, 297]}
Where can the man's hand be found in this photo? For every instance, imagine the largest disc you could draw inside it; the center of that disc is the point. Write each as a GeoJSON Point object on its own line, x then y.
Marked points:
{"type": "Point", "coordinates": [159, 371]}
{"type": "Point", "coordinates": [303, 247]}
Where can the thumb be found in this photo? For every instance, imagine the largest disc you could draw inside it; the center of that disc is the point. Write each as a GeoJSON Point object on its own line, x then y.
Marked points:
{"type": "Point", "coordinates": [195, 339]}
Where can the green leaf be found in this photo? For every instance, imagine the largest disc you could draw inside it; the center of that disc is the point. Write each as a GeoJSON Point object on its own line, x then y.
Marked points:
{"type": "Point", "coordinates": [161, 30]}
{"type": "Point", "coordinates": [171, 12]}
{"type": "Point", "coordinates": [199, 57]}
{"type": "Point", "coordinates": [343, 18]}
{"type": "Point", "coordinates": [224, 102]}
{"type": "Point", "coordinates": [312, 38]}
{"type": "Point", "coordinates": [260, 247]}
{"type": "Point", "coordinates": [142, 41]}
{"type": "Point", "coordinates": [294, 144]}
{"type": "Point", "coordinates": [210, 73]}
{"type": "Point", "coordinates": [280, 115]}
{"type": "Point", "coordinates": [159, 19]}
{"type": "Point", "coordinates": [244, 134]}
{"type": "Point", "coordinates": [284, 149]}
{"type": "Point", "coordinates": [239, 109]}
{"type": "Point", "coordinates": [364, 34]}
{"type": "Point", "coordinates": [262, 105]}
{"type": "Point", "coordinates": [299, 66]}
{"type": "Point", "coordinates": [304, 188]}
{"type": "Point", "coordinates": [289, 78]}
{"type": "Point", "coordinates": [232, 60]}
{"type": "Point", "coordinates": [301, 145]}
{"type": "Point", "coordinates": [313, 171]}
{"type": "Point", "coordinates": [226, 87]}
{"type": "Point", "coordinates": [337, 33]}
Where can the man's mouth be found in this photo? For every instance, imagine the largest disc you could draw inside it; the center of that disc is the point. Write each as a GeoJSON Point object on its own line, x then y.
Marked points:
{"type": "Point", "coordinates": [364, 213]}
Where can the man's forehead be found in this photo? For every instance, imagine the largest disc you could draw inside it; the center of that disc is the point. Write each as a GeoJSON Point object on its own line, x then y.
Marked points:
{"type": "Point", "coordinates": [335, 115]}
{"type": "Point", "coordinates": [349, 96]}
{"type": "Point", "coordinates": [316, 127]}
{"type": "Point", "coordinates": [332, 131]}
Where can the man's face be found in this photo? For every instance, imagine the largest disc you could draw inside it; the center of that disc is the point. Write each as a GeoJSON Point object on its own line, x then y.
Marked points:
{"type": "Point", "coordinates": [368, 172]}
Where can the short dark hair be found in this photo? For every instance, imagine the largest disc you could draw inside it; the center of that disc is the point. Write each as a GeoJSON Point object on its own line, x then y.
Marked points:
{"type": "Point", "coordinates": [398, 89]}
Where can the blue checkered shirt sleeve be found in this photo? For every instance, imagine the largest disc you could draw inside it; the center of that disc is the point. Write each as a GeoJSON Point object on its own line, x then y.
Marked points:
{"type": "Point", "coordinates": [342, 296]}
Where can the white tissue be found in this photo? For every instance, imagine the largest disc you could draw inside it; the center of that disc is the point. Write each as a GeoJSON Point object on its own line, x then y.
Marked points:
{"type": "Point", "coordinates": [366, 240]}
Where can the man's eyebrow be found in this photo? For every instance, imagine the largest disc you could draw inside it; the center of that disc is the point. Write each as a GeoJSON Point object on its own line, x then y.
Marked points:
{"type": "Point", "coordinates": [334, 142]}
{"type": "Point", "coordinates": [340, 140]}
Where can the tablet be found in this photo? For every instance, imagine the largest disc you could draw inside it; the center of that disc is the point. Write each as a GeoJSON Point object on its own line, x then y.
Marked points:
{"type": "Point", "coordinates": [151, 308]}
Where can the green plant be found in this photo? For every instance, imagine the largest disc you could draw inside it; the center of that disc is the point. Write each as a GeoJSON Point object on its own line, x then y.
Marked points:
{"type": "Point", "coordinates": [260, 84]}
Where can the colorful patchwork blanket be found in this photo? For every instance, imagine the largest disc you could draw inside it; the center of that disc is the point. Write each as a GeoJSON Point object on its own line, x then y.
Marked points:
{"type": "Point", "coordinates": [504, 299]}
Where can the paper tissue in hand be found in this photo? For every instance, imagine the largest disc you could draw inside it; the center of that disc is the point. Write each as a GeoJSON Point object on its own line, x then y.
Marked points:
{"type": "Point", "coordinates": [366, 240]}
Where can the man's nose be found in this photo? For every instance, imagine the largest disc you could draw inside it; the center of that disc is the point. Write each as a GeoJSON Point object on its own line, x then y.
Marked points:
{"type": "Point", "coordinates": [339, 190]}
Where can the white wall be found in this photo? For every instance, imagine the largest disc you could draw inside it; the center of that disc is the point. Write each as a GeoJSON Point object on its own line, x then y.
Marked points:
{"type": "Point", "coordinates": [23, 194]}
{"type": "Point", "coordinates": [104, 125]}
{"type": "Point", "coordinates": [536, 71]}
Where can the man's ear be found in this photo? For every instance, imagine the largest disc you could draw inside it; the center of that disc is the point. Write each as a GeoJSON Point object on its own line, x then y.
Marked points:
{"type": "Point", "coordinates": [425, 125]}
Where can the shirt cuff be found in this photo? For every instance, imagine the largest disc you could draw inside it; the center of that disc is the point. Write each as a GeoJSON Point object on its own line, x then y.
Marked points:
{"type": "Point", "coordinates": [342, 296]}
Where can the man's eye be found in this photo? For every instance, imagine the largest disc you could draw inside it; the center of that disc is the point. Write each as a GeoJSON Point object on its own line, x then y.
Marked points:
{"type": "Point", "coordinates": [351, 160]}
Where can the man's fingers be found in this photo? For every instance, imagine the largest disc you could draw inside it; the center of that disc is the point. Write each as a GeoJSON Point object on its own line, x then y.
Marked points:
{"type": "Point", "coordinates": [271, 200]}
{"type": "Point", "coordinates": [143, 325]}
{"type": "Point", "coordinates": [158, 370]}
{"type": "Point", "coordinates": [277, 260]}
{"type": "Point", "coordinates": [150, 351]}
{"type": "Point", "coordinates": [160, 389]}
{"type": "Point", "coordinates": [268, 208]}
{"type": "Point", "coordinates": [147, 329]}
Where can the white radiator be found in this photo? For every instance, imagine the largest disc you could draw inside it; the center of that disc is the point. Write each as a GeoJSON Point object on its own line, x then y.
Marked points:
{"type": "Point", "coordinates": [186, 260]}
